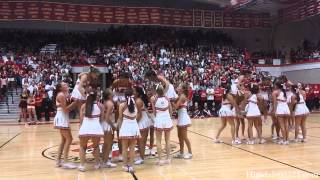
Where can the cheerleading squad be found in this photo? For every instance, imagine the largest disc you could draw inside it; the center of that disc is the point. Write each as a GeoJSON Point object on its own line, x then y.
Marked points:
{"type": "Point", "coordinates": [125, 110]}
{"type": "Point", "coordinates": [281, 99]}
{"type": "Point", "coordinates": [133, 112]}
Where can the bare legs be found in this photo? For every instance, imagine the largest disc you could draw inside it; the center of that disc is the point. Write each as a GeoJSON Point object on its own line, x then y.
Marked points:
{"type": "Point", "coordinates": [159, 147]}
{"type": "Point", "coordinates": [107, 145]}
{"type": "Point", "coordinates": [183, 138]}
{"type": "Point", "coordinates": [224, 121]}
{"type": "Point", "coordinates": [83, 147]}
{"type": "Point", "coordinates": [283, 121]}
{"type": "Point", "coordinates": [128, 160]}
{"type": "Point", "coordinates": [240, 122]}
{"type": "Point", "coordinates": [31, 112]}
{"type": "Point", "coordinates": [151, 140]}
{"type": "Point", "coordinates": [300, 122]}
{"type": "Point", "coordinates": [275, 125]}
{"type": "Point", "coordinates": [64, 147]}
{"type": "Point", "coordinates": [142, 142]}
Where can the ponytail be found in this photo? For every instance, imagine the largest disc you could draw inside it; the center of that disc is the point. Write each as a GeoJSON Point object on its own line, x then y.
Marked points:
{"type": "Point", "coordinates": [142, 94]}
{"type": "Point", "coordinates": [295, 91]}
{"type": "Point", "coordinates": [283, 89]}
{"type": "Point", "coordinates": [91, 99]}
{"type": "Point", "coordinates": [130, 100]}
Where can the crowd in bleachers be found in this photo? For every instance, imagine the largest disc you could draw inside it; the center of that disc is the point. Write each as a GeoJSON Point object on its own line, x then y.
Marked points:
{"type": "Point", "coordinates": [307, 51]}
{"type": "Point", "coordinates": [203, 59]}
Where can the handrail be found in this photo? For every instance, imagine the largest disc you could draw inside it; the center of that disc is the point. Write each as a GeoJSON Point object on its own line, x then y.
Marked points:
{"type": "Point", "coordinates": [7, 102]}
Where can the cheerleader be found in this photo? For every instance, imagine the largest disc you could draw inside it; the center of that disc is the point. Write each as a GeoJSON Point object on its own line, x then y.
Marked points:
{"type": "Point", "coordinates": [61, 122]}
{"type": "Point", "coordinates": [300, 112]}
{"type": "Point", "coordinates": [281, 110]}
{"type": "Point", "coordinates": [253, 114]}
{"type": "Point", "coordinates": [289, 95]}
{"type": "Point", "coordinates": [162, 110]}
{"type": "Point", "coordinates": [143, 121]}
{"type": "Point", "coordinates": [151, 125]}
{"type": "Point", "coordinates": [31, 107]}
{"type": "Point", "coordinates": [183, 122]}
{"type": "Point", "coordinates": [23, 105]}
{"type": "Point", "coordinates": [108, 125]}
{"type": "Point", "coordinates": [275, 123]}
{"type": "Point", "coordinates": [90, 129]}
{"type": "Point", "coordinates": [238, 91]}
{"type": "Point", "coordinates": [227, 113]}
{"type": "Point", "coordinates": [264, 92]}
{"type": "Point", "coordinates": [118, 88]}
{"type": "Point", "coordinates": [78, 94]}
{"type": "Point", "coordinates": [129, 129]}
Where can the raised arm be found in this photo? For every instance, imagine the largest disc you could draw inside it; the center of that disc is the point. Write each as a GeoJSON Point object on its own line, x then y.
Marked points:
{"type": "Point", "coordinates": [165, 82]}
{"type": "Point", "coordinates": [181, 100]}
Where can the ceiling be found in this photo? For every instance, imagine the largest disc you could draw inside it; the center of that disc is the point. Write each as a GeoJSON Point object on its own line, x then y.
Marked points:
{"type": "Point", "coordinates": [270, 6]}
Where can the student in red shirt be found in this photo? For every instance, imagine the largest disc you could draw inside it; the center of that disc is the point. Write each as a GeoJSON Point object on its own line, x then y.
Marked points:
{"type": "Point", "coordinates": [316, 92]}
{"type": "Point", "coordinates": [218, 92]}
{"type": "Point", "coordinates": [309, 98]}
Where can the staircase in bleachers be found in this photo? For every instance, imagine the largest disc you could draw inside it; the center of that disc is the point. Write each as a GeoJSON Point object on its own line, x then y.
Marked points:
{"type": "Point", "coordinates": [9, 108]}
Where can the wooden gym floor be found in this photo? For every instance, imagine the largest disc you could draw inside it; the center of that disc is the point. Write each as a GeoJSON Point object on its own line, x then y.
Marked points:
{"type": "Point", "coordinates": [25, 155]}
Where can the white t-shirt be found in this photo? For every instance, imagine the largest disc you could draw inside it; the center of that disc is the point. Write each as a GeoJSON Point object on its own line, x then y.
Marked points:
{"type": "Point", "coordinates": [161, 61]}
{"type": "Point", "coordinates": [166, 60]}
{"type": "Point", "coordinates": [31, 89]}
{"type": "Point", "coordinates": [50, 94]}
{"type": "Point", "coordinates": [162, 51]}
{"type": "Point", "coordinates": [210, 94]}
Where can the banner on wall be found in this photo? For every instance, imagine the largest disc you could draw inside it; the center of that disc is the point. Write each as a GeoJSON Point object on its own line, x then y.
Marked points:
{"type": "Point", "coordinates": [276, 62]}
{"type": "Point", "coordinates": [63, 12]}
{"type": "Point", "coordinates": [301, 10]}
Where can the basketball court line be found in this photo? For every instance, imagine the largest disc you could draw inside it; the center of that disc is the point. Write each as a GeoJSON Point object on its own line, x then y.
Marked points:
{"type": "Point", "coordinates": [260, 155]}
{"type": "Point", "coordinates": [9, 140]}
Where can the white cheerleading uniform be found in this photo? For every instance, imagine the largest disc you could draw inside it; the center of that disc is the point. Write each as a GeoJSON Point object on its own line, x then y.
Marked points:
{"type": "Point", "coordinates": [129, 128]}
{"type": "Point", "coordinates": [76, 94]}
{"type": "Point", "coordinates": [61, 119]}
{"type": "Point", "coordinates": [301, 108]}
{"type": "Point", "coordinates": [234, 87]}
{"type": "Point", "coordinates": [252, 107]}
{"type": "Point", "coordinates": [225, 110]}
{"type": "Point", "coordinates": [171, 93]}
{"type": "Point", "coordinates": [144, 122]}
{"type": "Point", "coordinates": [282, 107]}
{"type": "Point", "coordinates": [183, 117]}
{"type": "Point", "coordinates": [162, 120]}
{"type": "Point", "coordinates": [91, 126]}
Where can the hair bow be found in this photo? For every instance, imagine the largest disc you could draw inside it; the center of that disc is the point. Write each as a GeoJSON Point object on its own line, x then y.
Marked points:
{"type": "Point", "coordinates": [157, 86]}
{"type": "Point", "coordinates": [130, 99]}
